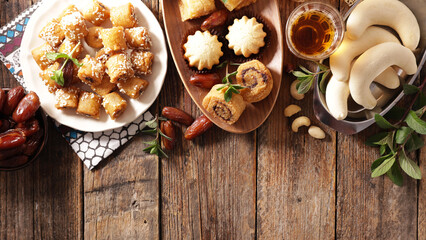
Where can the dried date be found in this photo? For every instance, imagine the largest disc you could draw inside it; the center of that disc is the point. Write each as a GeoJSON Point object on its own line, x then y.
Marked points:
{"type": "Point", "coordinates": [29, 127]}
{"type": "Point", "coordinates": [13, 97]}
{"type": "Point", "coordinates": [168, 129]}
{"type": "Point", "coordinates": [177, 115]}
{"type": "Point", "coordinates": [198, 127]}
{"type": "Point", "coordinates": [206, 80]}
{"type": "Point", "coordinates": [216, 19]}
{"type": "Point", "coordinates": [11, 139]}
{"type": "Point", "coordinates": [26, 108]}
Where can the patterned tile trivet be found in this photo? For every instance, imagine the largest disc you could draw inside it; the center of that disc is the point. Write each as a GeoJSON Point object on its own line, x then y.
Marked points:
{"type": "Point", "coordinates": [92, 148]}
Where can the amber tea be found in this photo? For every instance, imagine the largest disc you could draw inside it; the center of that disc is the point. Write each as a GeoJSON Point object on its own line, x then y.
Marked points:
{"type": "Point", "coordinates": [312, 33]}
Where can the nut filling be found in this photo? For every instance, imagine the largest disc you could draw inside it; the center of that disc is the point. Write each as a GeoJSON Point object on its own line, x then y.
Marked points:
{"type": "Point", "coordinates": [253, 77]}
{"type": "Point", "coordinates": [222, 111]}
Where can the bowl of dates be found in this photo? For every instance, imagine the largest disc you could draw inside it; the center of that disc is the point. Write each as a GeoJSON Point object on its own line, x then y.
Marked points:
{"type": "Point", "coordinates": [23, 128]}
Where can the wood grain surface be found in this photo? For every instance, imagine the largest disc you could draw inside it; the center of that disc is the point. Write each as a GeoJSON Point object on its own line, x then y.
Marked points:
{"type": "Point", "coordinates": [267, 184]}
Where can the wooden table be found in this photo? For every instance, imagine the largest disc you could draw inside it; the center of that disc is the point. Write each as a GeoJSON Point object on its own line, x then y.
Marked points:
{"type": "Point", "coordinates": [268, 184]}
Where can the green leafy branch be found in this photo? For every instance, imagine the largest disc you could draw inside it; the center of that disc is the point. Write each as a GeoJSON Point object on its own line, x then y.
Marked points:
{"type": "Point", "coordinates": [306, 78]}
{"type": "Point", "coordinates": [58, 75]}
{"type": "Point", "coordinates": [400, 138]}
{"type": "Point", "coordinates": [231, 88]}
{"type": "Point", "coordinates": [154, 146]}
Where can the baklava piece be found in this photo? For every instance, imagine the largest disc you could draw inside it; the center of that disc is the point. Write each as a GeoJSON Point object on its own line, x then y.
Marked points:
{"type": "Point", "coordinates": [102, 56]}
{"type": "Point", "coordinates": [202, 50]}
{"type": "Point", "coordinates": [133, 87]}
{"type": "Point", "coordinates": [138, 37]}
{"type": "Point", "coordinates": [142, 61]}
{"type": "Point", "coordinates": [105, 87]}
{"type": "Point", "coordinates": [93, 38]}
{"type": "Point", "coordinates": [74, 26]}
{"type": "Point", "coordinates": [119, 67]}
{"type": "Point", "coordinates": [114, 105]}
{"type": "Point", "coordinates": [52, 33]}
{"type": "Point", "coordinates": [68, 45]}
{"type": "Point", "coordinates": [66, 98]}
{"type": "Point", "coordinates": [95, 12]}
{"type": "Point", "coordinates": [123, 16]}
{"type": "Point", "coordinates": [190, 9]}
{"type": "Point", "coordinates": [89, 105]}
{"type": "Point", "coordinates": [113, 39]}
{"type": "Point", "coordinates": [246, 36]}
{"type": "Point", "coordinates": [92, 71]}
{"type": "Point", "coordinates": [237, 4]}
{"type": "Point", "coordinates": [39, 55]}
{"type": "Point", "coordinates": [46, 77]}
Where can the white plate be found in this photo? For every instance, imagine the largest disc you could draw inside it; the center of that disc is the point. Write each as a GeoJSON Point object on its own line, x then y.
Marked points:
{"type": "Point", "coordinates": [51, 9]}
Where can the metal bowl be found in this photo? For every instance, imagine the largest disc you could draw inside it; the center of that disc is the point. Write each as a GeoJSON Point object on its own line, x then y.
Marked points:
{"type": "Point", "coordinates": [359, 119]}
{"type": "Point", "coordinates": [42, 118]}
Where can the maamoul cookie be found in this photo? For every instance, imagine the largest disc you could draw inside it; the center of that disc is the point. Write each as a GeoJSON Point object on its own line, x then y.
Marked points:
{"type": "Point", "coordinates": [246, 36]}
{"type": "Point", "coordinates": [257, 79]}
{"type": "Point", "coordinates": [203, 50]}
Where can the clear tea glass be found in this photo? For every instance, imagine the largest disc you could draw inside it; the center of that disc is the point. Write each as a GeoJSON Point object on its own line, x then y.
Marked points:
{"type": "Point", "coordinates": [314, 31]}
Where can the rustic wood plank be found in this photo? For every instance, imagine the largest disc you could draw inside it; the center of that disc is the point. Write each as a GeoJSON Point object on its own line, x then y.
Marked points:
{"type": "Point", "coordinates": [371, 208]}
{"type": "Point", "coordinates": [58, 205]}
{"type": "Point", "coordinates": [121, 197]}
{"type": "Point", "coordinates": [207, 185]}
{"type": "Point", "coordinates": [296, 173]}
{"type": "Point", "coordinates": [421, 211]}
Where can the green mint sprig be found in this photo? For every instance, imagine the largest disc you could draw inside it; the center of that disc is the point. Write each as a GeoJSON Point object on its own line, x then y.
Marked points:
{"type": "Point", "coordinates": [154, 146]}
{"type": "Point", "coordinates": [58, 75]}
{"type": "Point", "coordinates": [400, 138]}
{"type": "Point", "coordinates": [231, 88]}
{"type": "Point", "coordinates": [306, 78]}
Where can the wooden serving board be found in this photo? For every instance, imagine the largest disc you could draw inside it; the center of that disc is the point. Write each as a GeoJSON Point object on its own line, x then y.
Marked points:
{"type": "Point", "coordinates": [272, 56]}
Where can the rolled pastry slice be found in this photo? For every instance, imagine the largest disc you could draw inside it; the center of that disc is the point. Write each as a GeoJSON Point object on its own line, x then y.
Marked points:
{"type": "Point", "coordinates": [89, 105]}
{"type": "Point", "coordinates": [52, 33]}
{"type": "Point", "coordinates": [341, 60]}
{"type": "Point", "coordinates": [119, 67]}
{"type": "Point", "coordinates": [373, 62]}
{"type": "Point", "coordinates": [392, 13]}
{"type": "Point", "coordinates": [67, 98]}
{"type": "Point", "coordinates": [133, 87]}
{"type": "Point", "coordinates": [113, 39]}
{"type": "Point", "coordinates": [74, 26]}
{"type": "Point", "coordinates": [123, 16]}
{"type": "Point", "coordinates": [257, 78]}
{"type": "Point", "coordinates": [138, 37]}
{"type": "Point", "coordinates": [93, 38]}
{"type": "Point", "coordinates": [229, 112]}
{"type": "Point", "coordinates": [95, 12]}
{"type": "Point", "coordinates": [114, 105]}
{"type": "Point", "coordinates": [92, 71]}
{"type": "Point", "coordinates": [39, 55]}
{"type": "Point", "coordinates": [336, 97]}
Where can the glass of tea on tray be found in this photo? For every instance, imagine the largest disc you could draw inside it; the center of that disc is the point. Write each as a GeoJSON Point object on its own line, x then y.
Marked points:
{"type": "Point", "coordinates": [314, 31]}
